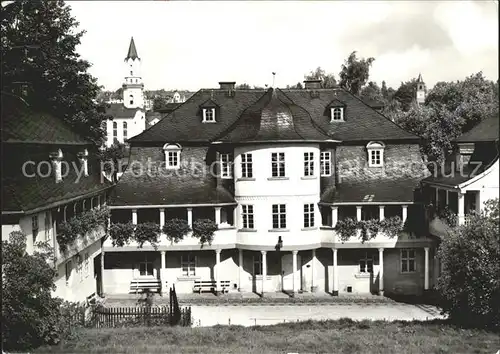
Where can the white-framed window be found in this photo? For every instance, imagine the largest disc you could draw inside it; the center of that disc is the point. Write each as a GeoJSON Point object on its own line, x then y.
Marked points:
{"type": "Point", "coordinates": [366, 264]}
{"type": "Point", "coordinates": [34, 226]}
{"type": "Point", "coordinates": [279, 216]}
{"type": "Point", "coordinates": [146, 266]}
{"type": "Point", "coordinates": [375, 153]}
{"type": "Point", "coordinates": [209, 115]}
{"type": "Point", "coordinates": [337, 114]}
{"type": "Point", "coordinates": [125, 133]}
{"type": "Point", "coordinates": [115, 131]}
{"type": "Point", "coordinates": [278, 164]}
{"type": "Point", "coordinates": [226, 170]}
{"type": "Point", "coordinates": [131, 98]}
{"type": "Point", "coordinates": [246, 165]}
{"type": "Point", "coordinates": [188, 265]}
{"type": "Point", "coordinates": [257, 264]}
{"type": "Point", "coordinates": [308, 215]}
{"type": "Point", "coordinates": [247, 216]}
{"type": "Point", "coordinates": [172, 156]}
{"type": "Point", "coordinates": [47, 227]}
{"type": "Point", "coordinates": [408, 263]}
{"type": "Point", "coordinates": [308, 164]}
{"type": "Point", "coordinates": [326, 163]}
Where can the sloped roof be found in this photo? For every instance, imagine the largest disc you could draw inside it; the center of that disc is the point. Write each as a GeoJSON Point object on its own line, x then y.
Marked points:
{"type": "Point", "coordinates": [486, 130]}
{"type": "Point", "coordinates": [274, 117]}
{"type": "Point", "coordinates": [362, 123]}
{"type": "Point", "coordinates": [118, 110]}
{"type": "Point", "coordinates": [132, 51]}
{"type": "Point", "coordinates": [21, 124]}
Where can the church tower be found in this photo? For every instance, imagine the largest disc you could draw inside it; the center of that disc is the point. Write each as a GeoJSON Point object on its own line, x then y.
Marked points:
{"type": "Point", "coordinates": [421, 90]}
{"type": "Point", "coordinates": [133, 87]}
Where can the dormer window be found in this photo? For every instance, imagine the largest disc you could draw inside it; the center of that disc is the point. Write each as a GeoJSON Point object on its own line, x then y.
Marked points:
{"type": "Point", "coordinates": [172, 156]}
{"type": "Point", "coordinates": [337, 114]}
{"type": "Point", "coordinates": [56, 158]}
{"type": "Point", "coordinates": [375, 154]}
{"type": "Point", "coordinates": [83, 157]}
{"type": "Point", "coordinates": [208, 115]}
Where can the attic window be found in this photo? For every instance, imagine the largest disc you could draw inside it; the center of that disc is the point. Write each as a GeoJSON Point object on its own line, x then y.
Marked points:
{"type": "Point", "coordinates": [172, 156]}
{"type": "Point", "coordinates": [208, 115]}
{"type": "Point", "coordinates": [83, 157]}
{"type": "Point", "coordinates": [337, 114]}
{"type": "Point", "coordinates": [56, 158]}
{"type": "Point", "coordinates": [375, 153]}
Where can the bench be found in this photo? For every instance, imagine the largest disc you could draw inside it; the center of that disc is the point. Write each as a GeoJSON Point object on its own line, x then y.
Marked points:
{"type": "Point", "coordinates": [145, 284]}
{"type": "Point", "coordinates": [209, 285]}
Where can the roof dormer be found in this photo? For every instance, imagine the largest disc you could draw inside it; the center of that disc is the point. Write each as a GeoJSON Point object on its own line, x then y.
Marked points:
{"type": "Point", "coordinates": [336, 109]}
{"type": "Point", "coordinates": [209, 111]}
{"type": "Point", "coordinates": [56, 159]}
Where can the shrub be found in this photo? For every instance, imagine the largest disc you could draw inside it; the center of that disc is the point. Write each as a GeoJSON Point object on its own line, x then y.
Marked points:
{"type": "Point", "coordinates": [448, 216]}
{"type": "Point", "coordinates": [369, 229]}
{"type": "Point", "coordinates": [121, 233]}
{"type": "Point", "coordinates": [30, 314]}
{"type": "Point", "coordinates": [469, 284]}
{"type": "Point", "coordinates": [392, 226]}
{"type": "Point", "coordinates": [176, 229]}
{"type": "Point", "coordinates": [147, 232]}
{"type": "Point", "coordinates": [204, 230]}
{"type": "Point", "coordinates": [346, 228]}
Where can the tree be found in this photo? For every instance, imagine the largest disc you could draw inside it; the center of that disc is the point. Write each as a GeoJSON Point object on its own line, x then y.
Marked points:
{"type": "Point", "coordinates": [112, 156]}
{"type": "Point", "coordinates": [159, 102]}
{"type": "Point", "coordinates": [372, 92]}
{"type": "Point", "coordinates": [243, 86]}
{"type": "Point", "coordinates": [384, 91]}
{"type": "Point", "coordinates": [327, 80]}
{"type": "Point", "coordinates": [298, 86]}
{"type": "Point", "coordinates": [406, 94]}
{"type": "Point", "coordinates": [38, 54]}
{"type": "Point", "coordinates": [355, 73]}
{"type": "Point", "coordinates": [30, 314]}
{"type": "Point", "coordinates": [470, 280]}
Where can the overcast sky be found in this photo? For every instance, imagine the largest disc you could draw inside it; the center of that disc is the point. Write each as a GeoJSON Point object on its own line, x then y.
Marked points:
{"type": "Point", "coordinates": [195, 44]}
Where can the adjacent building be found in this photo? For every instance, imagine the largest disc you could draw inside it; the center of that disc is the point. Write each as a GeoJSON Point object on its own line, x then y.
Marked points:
{"type": "Point", "coordinates": [277, 170]}
{"type": "Point", "coordinates": [51, 175]}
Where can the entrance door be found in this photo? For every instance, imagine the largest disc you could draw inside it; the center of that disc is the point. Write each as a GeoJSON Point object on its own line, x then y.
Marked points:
{"type": "Point", "coordinates": [287, 272]}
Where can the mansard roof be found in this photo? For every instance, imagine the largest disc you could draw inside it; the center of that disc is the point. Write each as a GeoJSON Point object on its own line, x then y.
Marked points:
{"type": "Point", "coordinates": [362, 123]}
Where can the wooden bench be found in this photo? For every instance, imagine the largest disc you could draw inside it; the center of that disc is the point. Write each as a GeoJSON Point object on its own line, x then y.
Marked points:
{"type": "Point", "coordinates": [210, 285]}
{"type": "Point", "coordinates": [145, 284]}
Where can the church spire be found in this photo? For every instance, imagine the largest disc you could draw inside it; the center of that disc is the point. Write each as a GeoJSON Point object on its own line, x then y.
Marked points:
{"type": "Point", "coordinates": [132, 52]}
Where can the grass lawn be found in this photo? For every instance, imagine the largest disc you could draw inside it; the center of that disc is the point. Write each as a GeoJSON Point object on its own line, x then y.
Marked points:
{"type": "Point", "coordinates": [341, 336]}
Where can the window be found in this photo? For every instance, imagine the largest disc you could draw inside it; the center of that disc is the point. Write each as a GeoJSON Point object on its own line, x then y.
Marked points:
{"type": "Point", "coordinates": [366, 264]}
{"type": "Point", "coordinates": [279, 216]}
{"type": "Point", "coordinates": [326, 164]}
{"type": "Point", "coordinates": [308, 164]}
{"type": "Point", "coordinates": [47, 225]}
{"type": "Point", "coordinates": [208, 115]}
{"type": "Point", "coordinates": [375, 154]}
{"type": "Point", "coordinates": [225, 166]}
{"type": "Point", "coordinates": [246, 166]}
{"type": "Point", "coordinates": [188, 265]}
{"type": "Point", "coordinates": [172, 156]}
{"type": "Point", "coordinates": [408, 261]}
{"type": "Point", "coordinates": [257, 265]}
{"type": "Point", "coordinates": [308, 215]}
{"type": "Point", "coordinates": [115, 131]}
{"type": "Point", "coordinates": [337, 114]}
{"type": "Point", "coordinates": [34, 226]}
{"type": "Point", "coordinates": [125, 130]}
{"type": "Point", "coordinates": [68, 268]}
{"type": "Point", "coordinates": [247, 216]}
{"type": "Point", "coordinates": [146, 266]}
{"type": "Point", "coordinates": [278, 164]}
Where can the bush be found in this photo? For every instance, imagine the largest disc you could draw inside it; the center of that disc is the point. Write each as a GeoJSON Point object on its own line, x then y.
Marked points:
{"type": "Point", "coordinates": [147, 232]}
{"type": "Point", "coordinates": [204, 230]}
{"type": "Point", "coordinates": [121, 233]}
{"type": "Point", "coordinates": [470, 281]}
{"type": "Point", "coordinates": [346, 228]}
{"type": "Point", "coordinates": [176, 229]}
{"type": "Point", "coordinates": [30, 314]}
{"type": "Point", "coordinates": [392, 226]}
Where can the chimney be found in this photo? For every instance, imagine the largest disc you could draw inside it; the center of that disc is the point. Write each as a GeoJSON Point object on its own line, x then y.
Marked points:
{"type": "Point", "coordinates": [312, 84]}
{"type": "Point", "coordinates": [228, 86]}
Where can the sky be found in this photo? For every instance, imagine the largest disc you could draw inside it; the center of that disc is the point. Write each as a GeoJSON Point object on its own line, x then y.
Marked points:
{"type": "Point", "coordinates": [188, 45]}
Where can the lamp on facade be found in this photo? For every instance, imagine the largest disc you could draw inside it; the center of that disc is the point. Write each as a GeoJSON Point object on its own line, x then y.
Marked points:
{"type": "Point", "coordinates": [279, 245]}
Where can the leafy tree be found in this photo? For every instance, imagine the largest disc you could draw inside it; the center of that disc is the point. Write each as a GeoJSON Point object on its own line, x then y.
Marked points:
{"type": "Point", "coordinates": [372, 92]}
{"type": "Point", "coordinates": [159, 102]}
{"type": "Point", "coordinates": [327, 80]}
{"type": "Point", "coordinates": [30, 314]}
{"type": "Point", "coordinates": [112, 156]}
{"type": "Point", "coordinates": [470, 281]}
{"type": "Point", "coordinates": [355, 73]}
{"type": "Point", "coordinates": [243, 86]}
{"type": "Point", "coordinates": [406, 94]}
{"type": "Point", "coordinates": [38, 49]}
{"type": "Point", "coordinates": [298, 85]}
{"type": "Point", "coordinates": [384, 91]}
